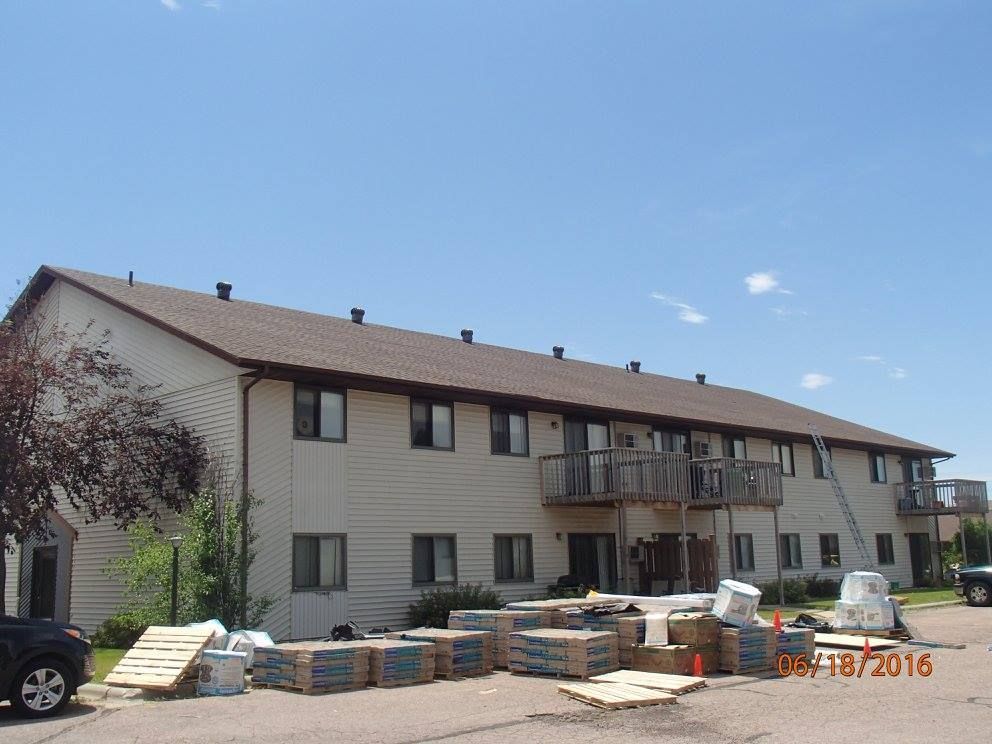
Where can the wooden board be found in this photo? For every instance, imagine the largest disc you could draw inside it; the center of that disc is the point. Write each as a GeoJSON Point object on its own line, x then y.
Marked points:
{"type": "Point", "coordinates": [613, 695]}
{"type": "Point", "coordinates": [161, 659]}
{"type": "Point", "coordinates": [857, 643]}
{"type": "Point", "coordinates": [676, 684]}
{"type": "Point", "coordinates": [893, 633]}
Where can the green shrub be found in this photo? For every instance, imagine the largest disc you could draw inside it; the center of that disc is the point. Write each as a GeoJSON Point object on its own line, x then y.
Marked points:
{"type": "Point", "coordinates": [119, 631]}
{"type": "Point", "coordinates": [818, 588]}
{"type": "Point", "coordinates": [794, 590]}
{"type": "Point", "coordinates": [432, 609]}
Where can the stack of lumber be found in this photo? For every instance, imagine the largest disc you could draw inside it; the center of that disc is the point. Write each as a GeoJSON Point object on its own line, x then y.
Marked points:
{"type": "Point", "coordinates": [747, 649]}
{"type": "Point", "coordinates": [394, 662]}
{"type": "Point", "coordinates": [563, 653]}
{"type": "Point", "coordinates": [795, 642]}
{"type": "Point", "coordinates": [310, 667]}
{"type": "Point", "coordinates": [676, 684]}
{"type": "Point", "coordinates": [558, 609]}
{"type": "Point", "coordinates": [673, 659]}
{"type": "Point", "coordinates": [629, 627]}
{"type": "Point", "coordinates": [161, 659]}
{"type": "Point", "coordinates": [457, 653]}
{"type": "Point", "coordinates": [500, 623]}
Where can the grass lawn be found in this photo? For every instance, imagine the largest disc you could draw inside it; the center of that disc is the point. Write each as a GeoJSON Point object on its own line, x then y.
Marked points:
{"type": "Point", "coordinates": [916, 597]}
{"type": "Point", "coordinates": [106, 659]}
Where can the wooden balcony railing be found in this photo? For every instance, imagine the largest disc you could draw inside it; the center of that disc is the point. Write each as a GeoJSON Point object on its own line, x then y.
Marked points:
{"type": "Point", "coordinates": [941, 497]}
{"type": "Point", "coordinates": [606, 476]}
{"type": "Point", "coordinates": [717, 481]}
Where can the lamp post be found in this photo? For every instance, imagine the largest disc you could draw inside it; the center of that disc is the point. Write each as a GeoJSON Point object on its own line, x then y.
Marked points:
{"type": "Point", "coordinates": [176, 541]}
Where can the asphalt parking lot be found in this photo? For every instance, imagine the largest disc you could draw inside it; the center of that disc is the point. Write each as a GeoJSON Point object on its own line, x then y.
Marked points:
{"type": "Point", "coordinates": [954, 701]}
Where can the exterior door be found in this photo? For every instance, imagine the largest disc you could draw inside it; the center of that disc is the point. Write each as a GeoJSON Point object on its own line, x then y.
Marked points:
{"type": "Point", "coordinates": [44, 574]}
{"type": "Point", "coordinates": [587, 474]}
{"type": "Point", "coordinates": [919, 556]}
{"type": "Point", "coordinates": [592, 558]}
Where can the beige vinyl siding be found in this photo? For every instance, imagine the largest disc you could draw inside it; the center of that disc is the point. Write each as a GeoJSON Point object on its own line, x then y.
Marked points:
{"type": "Point", "coordinates": [10, 592]}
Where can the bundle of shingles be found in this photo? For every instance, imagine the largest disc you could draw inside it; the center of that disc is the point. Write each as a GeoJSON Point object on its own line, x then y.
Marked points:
{"type": "Point", "coordinates": [750, 648]}
{"type": "Point", "coordinates": [457, 653]}
{"type": "Point", "coordinates": [501, 623]}
{"type": "Point", "coordinates": [795, 642]}
{"type": "Point", "coordinates": [563, 653]}
{"type": "Point", "coordinates": [557, 610]}
{"type": "Point", "coordinates": [629, 627]}
{"type": "Point", "coordinates": [395, 662]}
{"type": "Point", "coordinates": [313, 666]}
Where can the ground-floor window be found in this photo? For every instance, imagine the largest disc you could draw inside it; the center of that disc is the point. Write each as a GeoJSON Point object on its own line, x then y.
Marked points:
{"type": "Point", "coordinates": [790, 548]}
{"type": "Point", "coordinates": [513, 556]}
{"type": "Point", "coordinates": [829, 550]}
{"type": "Point", "coordinates": [883, 544]}
{"type": "Point", "coordinates": [319, 562]}
{"type": "Point", "coordinates": [744, 552]}
{"type": "Point", "coordinates": [434, 559]}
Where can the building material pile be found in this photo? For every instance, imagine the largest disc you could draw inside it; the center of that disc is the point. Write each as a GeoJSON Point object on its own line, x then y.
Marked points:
{"type": "Point", "coordinates": [563, 653]}
{"type": "Point", "coordinates": [457, 653]}
{"type": "Point", "coordinates": [795, 642]}
{"type": "Point", "coordinates": [557, 610]}
{"type": "Point", "coordinates": [629, 627]}
{"type": "Point", "coordinates": [501, 623]}
{"type": "Point", "coordinates": [751, 648]}
{"type": "Point", "coordinates": [393, 663]}
{"type": "Point", "coordinates": [688, 634]}
{"type": "Point", "coordinates": [314, 666]}
{"type": "Point", "coordinates": [863, 604]}
{"type": "Point", "coordinates": [627, 689]}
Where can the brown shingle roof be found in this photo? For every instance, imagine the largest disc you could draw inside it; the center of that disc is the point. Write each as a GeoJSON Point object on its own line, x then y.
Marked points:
{"type": "Point", "coordinates": [252, 334]}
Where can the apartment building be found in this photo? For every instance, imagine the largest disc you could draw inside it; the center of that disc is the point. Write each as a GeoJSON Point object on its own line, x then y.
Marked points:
{"type": "Point", "coordinates": [389, 461]}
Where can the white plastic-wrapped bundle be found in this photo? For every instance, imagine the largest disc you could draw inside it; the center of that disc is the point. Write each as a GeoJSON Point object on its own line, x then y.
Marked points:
{"type": "Point", "coordinates": [736, 602]}
{"type": "Point", "coordinates": [877, 616]}
{"type": "Point", "coordinates": [847, 614]}
{"type": "Point", "coordinates": [864, 586]}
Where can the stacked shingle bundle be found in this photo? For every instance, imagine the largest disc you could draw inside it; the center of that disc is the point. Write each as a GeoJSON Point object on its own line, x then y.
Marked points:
{"type": "Point", "coordinates": [747, 649]}
{"type": "Point", "coordinates": [457, 653]}
{"type": "Point", "coordinates": [564, 653]}
{"type": "Point", "coordinates": [393, 662]}
{"type": "Point", "coordinates": [313, 667]}
{"type": "Point", "coordinates": [500, 623]}
{"type": "Point", "coordinates": [629, 627]}
{"type": "Point", "coordinates": [795, 642]}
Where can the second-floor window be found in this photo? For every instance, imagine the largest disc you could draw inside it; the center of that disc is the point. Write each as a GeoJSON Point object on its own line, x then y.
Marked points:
{"type": "Point", "coordinates": [819, 467]}
{"type": "Point", "coordinates": [876, 467]}
{"type": "Point", "coordinates": [508, 432]}
{"type": "Point", "coordinates": [432, 424]}
{"type": "Point", "coordinates": [782, 454]}
{"type": "Point", "coordinates": [670, 441]}
{"type": "Point", "coordinates": [319, 414]}
{"type": "Point", "coordinates": [735, 446]}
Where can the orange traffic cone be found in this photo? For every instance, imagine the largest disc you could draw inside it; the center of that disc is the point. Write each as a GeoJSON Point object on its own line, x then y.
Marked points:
{"type": "Point", "coordinates": [697, 666]}
{"type": "Point", "coordinates": [867, 649]}
{"type": "Point", "coordinates": [777, 621]}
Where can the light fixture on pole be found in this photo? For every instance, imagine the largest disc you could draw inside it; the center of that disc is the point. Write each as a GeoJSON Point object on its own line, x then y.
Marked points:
{"type": "Point", "coordinates": [176, 541]}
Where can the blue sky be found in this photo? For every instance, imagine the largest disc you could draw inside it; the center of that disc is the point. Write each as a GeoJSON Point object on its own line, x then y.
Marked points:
{"type": "Point", "coordinates": [606, 176]}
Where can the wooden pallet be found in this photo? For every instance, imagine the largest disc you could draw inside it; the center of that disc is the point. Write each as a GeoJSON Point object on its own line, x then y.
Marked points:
{"type": "Point", "coordinates": [853, 642]}
{"type": "Point", "coordinates": [306, 690]}
{"type": "Point", "coordinates": [898, 633]}
{"type": "Point", "coordinates": [162, 659]}
{"type": "Point", "coordinates": [613, 695]}
{"type": "Point", "coordinates": [675, 684]}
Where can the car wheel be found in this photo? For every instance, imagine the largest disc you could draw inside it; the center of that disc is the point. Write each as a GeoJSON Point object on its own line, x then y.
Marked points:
{"type": "Point", "coordinates": [41, 689]}
{"type": "Point", "coordinates": [978, 594]}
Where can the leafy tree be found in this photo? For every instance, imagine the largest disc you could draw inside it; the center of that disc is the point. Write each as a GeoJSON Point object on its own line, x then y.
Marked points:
{"type": "Point", "coordinates": [975, 531]}
{"type": "Point", "coordinates": [74, 423]}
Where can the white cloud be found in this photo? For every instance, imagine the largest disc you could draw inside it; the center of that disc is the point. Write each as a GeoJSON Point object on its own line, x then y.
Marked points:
{"type": "Point", "coordinates": [212, 4]}
{"type": "Point", "coordinates": [874, 358]}
{"type": "Point", "coordinates": [763, 282]}
{"type": "Point", "coordinates": [171, 4]}
{"type": "Point", "coordinates": [686, 313]}
{"type": "Point", "coordinates": [787, 312]}
{"type": "Point", "coordinates": [814, 380]}
{"type": "Point", "coordinates": [898, 373]}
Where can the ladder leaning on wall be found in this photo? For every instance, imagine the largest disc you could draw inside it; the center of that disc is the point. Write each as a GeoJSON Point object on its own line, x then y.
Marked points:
{"type": "Point", "coordinates": [845, 506]}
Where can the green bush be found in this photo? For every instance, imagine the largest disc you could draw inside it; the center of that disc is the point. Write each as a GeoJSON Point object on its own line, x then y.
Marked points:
{"type": "Point", "coordinates": [818, 588]}
{"type": "Point", "coordinates": [119, 631]}
{"type": "Point", "coordinates": [975, 531]}
{"type": "Point", "coordinates": [794, 590]}
{"type": "Point", "coordinates": [434, 606]}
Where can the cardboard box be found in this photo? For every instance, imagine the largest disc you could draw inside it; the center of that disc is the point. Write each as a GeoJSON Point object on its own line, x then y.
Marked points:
{"type": "Point", "coordinates": [736, 602]}
{"type": "Point", "coordinates": [877, 616]}
{"type": "Point", "coordinates": [678, 659]}
{"type": "Point", "coordinates": [693, 629]}
{"type": "Point", "coordinates": [863, 586]}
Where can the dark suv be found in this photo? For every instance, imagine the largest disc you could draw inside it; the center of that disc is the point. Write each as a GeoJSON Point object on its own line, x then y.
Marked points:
{"type": "Point", "coordinates": [975, 585]}
{"type": "Point", "coordinates": [41, 664]}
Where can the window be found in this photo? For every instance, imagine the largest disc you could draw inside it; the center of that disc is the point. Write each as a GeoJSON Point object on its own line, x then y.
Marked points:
{"type": "Point", "coordinates": [876, 465]}
{"type": "Point", "coordinates": [319, 414]}
{"type": "Point", "coordinates": [883, 543]}
{"type": "Point", "coordinates": [677, 536]}
{"type": "Point", "coordinates": [514, 557]}
{"type": "Point", "coordinates": [819, 468]}
{"type": "Point", "coordinates": [319, 562]}
{"type": "Point", "coordinates": [670, 441]}
{"type": "Point", "coordinates": [744, 552]}
{"type": "Point", "coordinates": [829, 551]}
{"type": "Point", "coordinates": [782, 454]}
{"type": "Point", "coordinates": [434, 559]}
{"type": "Point", "coordinates": [432, 424]}
{"type": "Point", "coordinates": [508, 432]}
{"type": "Point", "coordinates": [630, 440]}
{"type": "Point", "coordinates": [913, 470]}
{"type": "Point", "coordinates": [582, 434]}
{"type": "Point", "coordinates": [790, 549]}
{"type": "Point", "coordinates": [734, 446]}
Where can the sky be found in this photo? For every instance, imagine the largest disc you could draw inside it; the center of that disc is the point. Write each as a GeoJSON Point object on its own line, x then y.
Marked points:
{"type": "Point", "coordinates": [792, 199]}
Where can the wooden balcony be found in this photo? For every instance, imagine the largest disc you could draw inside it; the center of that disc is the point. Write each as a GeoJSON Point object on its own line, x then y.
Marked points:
{"type": "Point", "coordinates": [719, 481]}
{"type": "Point", "coordinates": [606, 477]}
{"type": "Point", "coordinates": [927, 498]}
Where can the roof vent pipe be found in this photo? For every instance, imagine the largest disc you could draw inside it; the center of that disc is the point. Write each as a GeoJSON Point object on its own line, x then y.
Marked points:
{"type": "Point", "coordinates": [130, 278]}
{"type": "Point", "coordinates": [559, 352]}
{"type": "Point", "coordinates": [700, 378]}
{"type": "Point", "coordinates": [467, 335]}
{"type": "Point", "coordinates": [357, 315]}
{"type": "Point", "coordinates": [224, 290]}
{"type": "Point", "coordinates": [635, 367]}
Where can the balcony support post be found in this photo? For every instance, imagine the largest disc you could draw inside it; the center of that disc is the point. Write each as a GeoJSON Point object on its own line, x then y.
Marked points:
{"type": "Point", "coordinates": [716, 552]}
{"type": "Point", "coordinates": [778, 560]}
{"type": "Point", "coordinates": [732, 548]}
{"type": "Point", "coordinates": [940, 555]}
{"type": "Point", "coordinates": [685, 550]}
{"type": "Point", "coordinates": [964, 542]}
{"type": "Point", "coordinates": [622, 552]}
{"type": "Point", "coordinates": [988, 551]}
